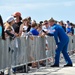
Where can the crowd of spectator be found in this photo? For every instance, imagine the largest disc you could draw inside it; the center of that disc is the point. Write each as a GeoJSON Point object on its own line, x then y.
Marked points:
{"type": "Point", "coordinates": [15, 26]}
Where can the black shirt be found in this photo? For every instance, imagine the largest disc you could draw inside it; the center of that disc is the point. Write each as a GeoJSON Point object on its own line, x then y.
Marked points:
{"type": "Point", "coordinates": [64, 28]}
{"type": "Point", "coordinates": [16, 26]}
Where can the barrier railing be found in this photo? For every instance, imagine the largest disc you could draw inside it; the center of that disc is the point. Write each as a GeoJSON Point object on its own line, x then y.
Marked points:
{"type": "Point", "coordinates": [22, 51]}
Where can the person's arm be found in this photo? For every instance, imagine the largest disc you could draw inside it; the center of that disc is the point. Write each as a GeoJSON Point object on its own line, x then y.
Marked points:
{"type": "Point", "coordinates": [10, 34]}
{"type": "Point", "coordinates": [53, 33]}
{"type": "Point", "coordinates": [49, 34]}
{"type": "Point", "coordinates": [56, 37]}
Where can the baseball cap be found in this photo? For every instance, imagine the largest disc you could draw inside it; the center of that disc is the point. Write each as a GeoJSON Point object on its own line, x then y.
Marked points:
{"type": "Point", "coordinates": [16, 14]}
{"type": "Point", "coordinates": [10, 19]}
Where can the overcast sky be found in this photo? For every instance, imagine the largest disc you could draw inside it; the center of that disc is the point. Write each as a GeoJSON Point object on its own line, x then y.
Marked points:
{"type": "Point", "coordinates": [39, 9]}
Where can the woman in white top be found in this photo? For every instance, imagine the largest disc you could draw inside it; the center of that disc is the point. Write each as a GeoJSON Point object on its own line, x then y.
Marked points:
{"type": "Point", "coordinates": [23, 28]}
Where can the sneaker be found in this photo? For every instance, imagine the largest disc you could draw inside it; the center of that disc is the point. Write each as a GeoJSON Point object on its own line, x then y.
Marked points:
{"type": "Point", "coordinates": [20, 69]}
{"type": "Point", "coordinates": [43, 64]}
{"type": "Point", "coordinates": [14, 70]}
{"type": "Point", "coordinates": [68, 65]}
{"type": "Point", "coordinates": [1, 73]}
{"type": "Point", "coordinates": [54, 66]}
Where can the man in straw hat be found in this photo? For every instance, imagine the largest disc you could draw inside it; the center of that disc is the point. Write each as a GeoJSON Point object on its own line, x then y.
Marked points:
{"type": "Point", "coordinates": [62, 44]}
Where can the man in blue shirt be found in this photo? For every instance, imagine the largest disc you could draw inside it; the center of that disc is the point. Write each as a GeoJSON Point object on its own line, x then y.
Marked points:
{"type": "Point", "coordinates": [33, 30]}
{"type": "Point", "coordinates": [62, 45]}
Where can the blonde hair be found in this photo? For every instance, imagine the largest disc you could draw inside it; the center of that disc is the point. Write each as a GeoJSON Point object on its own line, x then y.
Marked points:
{"type": "Point", "coordinates": [7, 26]}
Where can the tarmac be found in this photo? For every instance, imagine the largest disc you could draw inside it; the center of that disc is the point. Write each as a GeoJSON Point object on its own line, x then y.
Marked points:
{"type": "Point", "coordinates": [53, 71]}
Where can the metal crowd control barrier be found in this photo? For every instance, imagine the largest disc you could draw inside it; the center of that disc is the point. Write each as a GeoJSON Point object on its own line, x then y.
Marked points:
{"type": "Point", "coordinates": [4, 54]}
{"type": "Point", "coordinates": [23, 50]}
{"type": "Point", "coordinates": [71, 46]}
{"type": "Point", "coordinates": [74, 42]}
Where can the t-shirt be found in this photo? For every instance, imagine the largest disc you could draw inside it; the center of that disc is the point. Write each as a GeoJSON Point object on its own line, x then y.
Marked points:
{"type": "Point", "coordinates": [29, 27]}
{"type": "Point", "coordinates": [16, 26]}
{"type": "Point", "coordinates": [0, 30]}
{"type": "Point", "coordinates": [68, 30]}
{"type": "Point", "coordinates": [34, 31]}
{"type": "Point", "coordinates": [25, 28]}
